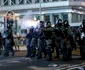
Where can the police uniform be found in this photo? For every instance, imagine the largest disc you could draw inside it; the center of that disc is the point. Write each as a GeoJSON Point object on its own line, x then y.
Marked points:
{"type": "Point", "coordinates": [41, 43]}
{"type": "Point", "coordinates": [82, 40]}
{"type": "Point", "coordinates": [29, 42]}
{"type": "Point", "coordinates": [9, 42]}
{"type": "Point", "coordinates": [66, 45]}
{"type": "Point", "coordinates": [58, 35]}
{"type": "Point", "coordinates": [48, 32]}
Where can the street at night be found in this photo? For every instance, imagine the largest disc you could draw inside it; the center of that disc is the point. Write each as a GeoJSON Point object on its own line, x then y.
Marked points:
{"type": "Point", "coordinates": [42, 34]}
{"type": "Point", "coordinates": [20, 62]}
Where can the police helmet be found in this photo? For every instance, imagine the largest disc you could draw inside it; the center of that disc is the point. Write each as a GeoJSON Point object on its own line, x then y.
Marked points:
{"type": "Point", "coordinates": [66, 23]}
{"type": "Point", "coordinates": [41, 23]}
{"type": "Point", "coordinates": [48, 23]}
{"type": "Point", "coordinates": [59, 22]}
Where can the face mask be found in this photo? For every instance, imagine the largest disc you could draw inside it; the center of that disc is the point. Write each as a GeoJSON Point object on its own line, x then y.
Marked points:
{"type": "Point", "coordinates": [60, 22]}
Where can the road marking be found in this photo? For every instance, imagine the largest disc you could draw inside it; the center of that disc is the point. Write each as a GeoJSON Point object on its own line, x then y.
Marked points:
{"type": "Point", "coordinates": [80, 67]}
{"type": "Point", "coordinates": [70, 67]}
{"type": "Point", "coordinates": [12, 61]}
{"type": "Point", "coordinates": [27, 58]}
{"type": "Point", "coordinates": [52, 65]}
{"type": "Point", "coordinates": [30, 59]}
{"type": "Point", "coordinates": [82, 63]}
{"type": "Point", "coordinates": [63, 66]}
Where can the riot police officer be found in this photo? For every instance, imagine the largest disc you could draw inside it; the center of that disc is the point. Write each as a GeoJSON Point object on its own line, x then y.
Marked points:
{"type": "Point", "coordinates": [82, 40]}
{"type": "Point", "coordinates": [8, 36]}
{"type": "Point", "coordinates": [58, 35]}
{"type": "Point", "coordinates": [66, 47]}
{"type": "Point", "coordinates": [41, 41]}
{"type": "Point", "coordinates": [9, 42]}
{"type": "Point", "coordinates": [29, 45]}
{"type": "Point", "coordinates": [48, 32]}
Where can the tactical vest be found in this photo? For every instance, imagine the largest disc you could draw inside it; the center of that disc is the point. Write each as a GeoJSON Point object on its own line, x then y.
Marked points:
{"type": "Point", "coordinates": [48, 32]}
{"type": "Point", "coordinates": [58, 31]}
{"type": "Point", "coordinates": [67, 31]}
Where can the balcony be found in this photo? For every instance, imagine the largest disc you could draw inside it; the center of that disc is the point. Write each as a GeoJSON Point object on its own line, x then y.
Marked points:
{"type": "Point", "coordinates": [35, 5]}
{"type": "Point", "coordinates": [77, 3]}
{"type": "Point", "coordinates": [47, 4]}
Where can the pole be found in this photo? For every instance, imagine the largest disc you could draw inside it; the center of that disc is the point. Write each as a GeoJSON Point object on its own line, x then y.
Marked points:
{"type": "Point", "coordinates": [40, 10]}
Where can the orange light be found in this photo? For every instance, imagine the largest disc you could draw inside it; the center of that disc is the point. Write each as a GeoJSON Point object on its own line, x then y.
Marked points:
{"type": "Point", "coordinates": [9, 15]}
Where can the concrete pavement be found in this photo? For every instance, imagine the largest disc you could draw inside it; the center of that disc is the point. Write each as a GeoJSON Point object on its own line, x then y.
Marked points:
{"type": "Point", "coordinates": [20, 62]}
{"type": "Point", "coordinates": [23, 63]}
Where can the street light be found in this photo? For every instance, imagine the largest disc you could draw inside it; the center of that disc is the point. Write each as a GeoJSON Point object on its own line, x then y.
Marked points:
{"type": "Point", "coordinates": [40, 9]}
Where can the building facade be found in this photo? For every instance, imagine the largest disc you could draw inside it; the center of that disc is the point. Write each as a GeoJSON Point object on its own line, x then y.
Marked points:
{"type": "Point", "coordinates": [47, 10]}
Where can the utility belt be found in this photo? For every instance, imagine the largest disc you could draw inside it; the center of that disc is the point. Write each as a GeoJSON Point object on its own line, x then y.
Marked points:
{"type": "Point", "coordinates": [67, 46]}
